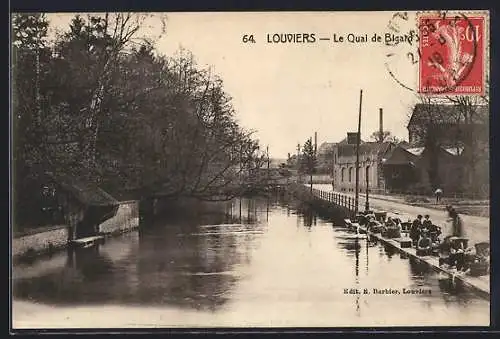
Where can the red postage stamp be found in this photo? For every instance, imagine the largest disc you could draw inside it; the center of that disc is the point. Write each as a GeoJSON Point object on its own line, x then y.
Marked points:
{"type": "Point", "coordinates": [452, 54]}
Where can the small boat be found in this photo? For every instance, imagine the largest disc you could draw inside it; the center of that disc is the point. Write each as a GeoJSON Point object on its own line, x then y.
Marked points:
{"type": "Point", "coordinates": [443, 276]}
{"type": "Point", "coordinates": [405, 228]}
{"type": "Point", "coordinates": [88, 241]}
{"type": "Point", "coordinates": [391, 232]}
{"type": "Point", "coordinates": [375, 227]}
{"type": "Point", "coordinates": [480, 262]}
{"type": "Point", "coordinates": [422, 252]}
{"type": "Point", "coordinates": [357, 235]}
{"type": "Point", "coordinates": [424, 246]}
{"type": "Point", "coordinates": [354, 227]}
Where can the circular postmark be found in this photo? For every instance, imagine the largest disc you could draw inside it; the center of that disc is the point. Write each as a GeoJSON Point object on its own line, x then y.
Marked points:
{"type": "Point", "coordinates": [443, 49]}
{"type": "Point", "coordinates": [400, 39]}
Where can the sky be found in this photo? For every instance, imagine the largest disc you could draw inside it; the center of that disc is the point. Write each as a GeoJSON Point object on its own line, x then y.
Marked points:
{"type": "Point", "coordinates": [288, 91]}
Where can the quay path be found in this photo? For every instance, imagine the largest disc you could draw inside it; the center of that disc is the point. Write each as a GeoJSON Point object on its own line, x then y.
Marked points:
{"type": "Point", "coordinates": [477, 229]}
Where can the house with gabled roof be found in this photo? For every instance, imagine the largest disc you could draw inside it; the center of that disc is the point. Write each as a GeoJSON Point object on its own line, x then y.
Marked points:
{"type": "Point", "coordinates": [84, 203]}
{"type": "Point", "coordinates": [400, 168]}
{"type": "Point", "coordinates": [408, 169]}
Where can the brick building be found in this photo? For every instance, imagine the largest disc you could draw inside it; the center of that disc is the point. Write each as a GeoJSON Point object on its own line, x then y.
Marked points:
{"type": "Point", "coordinates": [371, 158]}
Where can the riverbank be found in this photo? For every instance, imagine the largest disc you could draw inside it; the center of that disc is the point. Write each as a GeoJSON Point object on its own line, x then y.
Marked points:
{"type": "Point", "coordinates": [477, 229]}
{"type": "Point", "coordinates": [480, 284]}
{"type": "Point", "coordinates": [48, 240]}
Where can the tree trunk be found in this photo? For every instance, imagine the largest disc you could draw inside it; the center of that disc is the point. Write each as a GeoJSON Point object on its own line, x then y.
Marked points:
{"type": "Point", "coordinates": [434, 170]}
{"type": "Point", "coordinates": [433, 147]}
{"type": "Point", "coordinates": [146, 211]}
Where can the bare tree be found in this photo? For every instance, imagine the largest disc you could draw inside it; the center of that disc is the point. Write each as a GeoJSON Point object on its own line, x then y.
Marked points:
{"type": "Point", "coordinates": [119, 30]}
{"type": "Point", "coordinates": [457, 122]}
{"type": "Point", "coordinates": [384, 136]}
{"type": "Point", "coordinates": [426, 127]}
{"type": "Point", "coordinates": [308, 160]}
{"type": "Point", "coordinates": [472, 122]}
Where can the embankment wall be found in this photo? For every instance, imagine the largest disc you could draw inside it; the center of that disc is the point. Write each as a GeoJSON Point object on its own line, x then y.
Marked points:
{"type": "Point", "coordinates": [49, 239]}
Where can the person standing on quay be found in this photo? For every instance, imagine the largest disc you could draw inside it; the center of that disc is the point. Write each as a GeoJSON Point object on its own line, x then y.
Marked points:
{"type": "Point", "coordinates": [438, 193]}
{"type": "Point", "coordinates": [454, 217]}
{"type": "Point", "coordinates": [415, 229]}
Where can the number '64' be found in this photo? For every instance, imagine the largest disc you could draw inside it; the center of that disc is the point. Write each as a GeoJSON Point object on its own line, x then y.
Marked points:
{"type": "Point", "coordinates": [248, 38]}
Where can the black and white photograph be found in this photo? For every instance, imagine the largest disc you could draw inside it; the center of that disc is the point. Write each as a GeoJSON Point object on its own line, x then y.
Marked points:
{"type": "Point", "coordinates": [275, 169]}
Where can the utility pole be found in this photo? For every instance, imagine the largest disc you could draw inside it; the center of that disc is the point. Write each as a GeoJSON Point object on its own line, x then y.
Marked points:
{"type": "Point", "coordinates": [268, 183]}
{"type": "Point", "coordinates": [298, 162]}
{"type": "Point", "coordinates": [268, 163]}
{"type": "Point", "coordinates": [310, 168]}
{"type": "Point", "coordinates": [358, 141]}
{"type": "Point", "coordinates": [333, 170]}
{"type": "Point", "coordinates": [239, 175]}
{"type": "Point", "coordinates": [367, 204]}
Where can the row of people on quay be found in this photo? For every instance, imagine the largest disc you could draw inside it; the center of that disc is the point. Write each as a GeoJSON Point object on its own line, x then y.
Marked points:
{"type": "Point", "coordinates": [427, 238]}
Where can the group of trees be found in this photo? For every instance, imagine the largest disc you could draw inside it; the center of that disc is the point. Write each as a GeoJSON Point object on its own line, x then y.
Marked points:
{"type": "Point", "coordinates": [384, 136]}
{"type": "Point", "coordinates": [101, 104]}
{"type": "Point", "coordinates": [322, 161]}
{"type": "Point", "coordinates": [306, 162]}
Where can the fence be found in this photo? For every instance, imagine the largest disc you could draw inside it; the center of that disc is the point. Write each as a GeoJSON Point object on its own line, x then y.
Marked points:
{"type": "Point", "coordinates": [335, 198]}
{"type": "Point", "coordinates": [317, 179]}
{"type": "Point", "coordinates": [413, 192]}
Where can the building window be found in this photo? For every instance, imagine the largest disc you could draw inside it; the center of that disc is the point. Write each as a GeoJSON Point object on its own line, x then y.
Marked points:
{"type": "Point", "coordinates": [350, 174]}
{"type": "Point", "coordinates": [342, 174]}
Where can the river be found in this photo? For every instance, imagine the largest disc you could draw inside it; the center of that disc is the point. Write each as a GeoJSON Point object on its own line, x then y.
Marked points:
{"type": "Point", "coordinates": [270, 262]}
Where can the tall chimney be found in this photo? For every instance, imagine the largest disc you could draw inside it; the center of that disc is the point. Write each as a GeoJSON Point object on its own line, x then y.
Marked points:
{"type": "Point", "coordinates": [381, 123]}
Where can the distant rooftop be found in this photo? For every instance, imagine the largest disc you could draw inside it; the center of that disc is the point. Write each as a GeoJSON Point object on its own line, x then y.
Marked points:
{"type": "Point", "coordinates": [454, 150]}
{"type": "Point", "coordinates": [364, 148]}
{"type": "Point", "coordinates": [445, 114]}
{"type": "Point", "coordinates": [326, 147]}
{"type": "Point", "coordinates": [416, 150]}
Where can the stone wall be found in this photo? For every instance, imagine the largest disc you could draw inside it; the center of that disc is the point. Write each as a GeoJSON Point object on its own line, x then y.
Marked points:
{"type": "Point", "coordinates": [56, 237]}
{"type": "Point", "coordinates": [125, 220]}
{"type": "Point", "coordinates": [45, 241]}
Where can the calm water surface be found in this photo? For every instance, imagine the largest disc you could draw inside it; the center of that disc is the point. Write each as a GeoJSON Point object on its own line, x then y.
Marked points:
{"type": "Point", "coordinates": [266, 263]}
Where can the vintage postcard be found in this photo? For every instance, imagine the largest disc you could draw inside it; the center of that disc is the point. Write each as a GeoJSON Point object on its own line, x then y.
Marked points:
{"type": "Point", "coordinates": [250, 169]}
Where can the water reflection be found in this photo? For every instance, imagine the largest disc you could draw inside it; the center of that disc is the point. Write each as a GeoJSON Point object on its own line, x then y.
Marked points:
{"type": "Point", "coordinates": [272, 265]}
{"type": "Point", "coordinates": [357, 248]}
{"type": "Point", "coordinates": [189, 262]}
{"type": "Point", "coordinates": [389, 250]}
